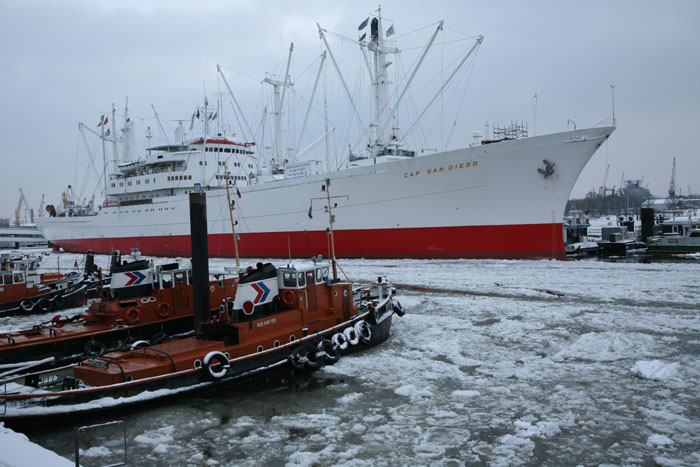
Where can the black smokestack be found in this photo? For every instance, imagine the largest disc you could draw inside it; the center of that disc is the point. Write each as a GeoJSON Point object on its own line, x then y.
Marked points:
{"type": "Point", "coordinates": [200, 258]}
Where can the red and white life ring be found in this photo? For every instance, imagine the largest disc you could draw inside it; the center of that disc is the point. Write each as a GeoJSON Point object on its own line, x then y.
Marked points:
{"type": "Point", "coordinates": [133, 315]}
{"type": "Point", "coordinates": [289, 297]}
{"type": "Point", "coordinates": [163, 310]}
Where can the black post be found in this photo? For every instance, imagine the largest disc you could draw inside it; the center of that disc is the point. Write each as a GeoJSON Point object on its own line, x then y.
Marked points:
{"type": "Point", "coordinates": [200, 258]}
{"type": "Point", "coordinates": [647, 215]}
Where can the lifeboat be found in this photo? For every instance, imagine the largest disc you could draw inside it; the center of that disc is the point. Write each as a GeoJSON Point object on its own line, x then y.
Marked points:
{"type": "Point", "coordinates": [292, 318]}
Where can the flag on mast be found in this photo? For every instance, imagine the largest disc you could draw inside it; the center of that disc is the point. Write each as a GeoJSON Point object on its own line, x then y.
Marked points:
{"type": "Point", "coordinates": [310, 206]}
{"type": "Point", "coordinates": [390, 31]}
{"type": "Point", "coordinates": [363, 37]}
{"type": "Point", "coordinates": [192, 122]}
{"type": "Point", "coordinates": [363, 24]}
{"type": "Point", "coordinates": [238, 192]}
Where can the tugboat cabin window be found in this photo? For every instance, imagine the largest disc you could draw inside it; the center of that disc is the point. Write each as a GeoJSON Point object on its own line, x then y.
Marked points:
{"type": "Point", "coordinates": [321, 275]}
{"type": "Point", "coordinates": [6, 279]}
{"type": "Point", "coordinates": [289, 279]}
{"type": "Point", "coordinates": [19, 278]}
{"type": "Point", "coordinates": [166, 280]}
{"type": "Point", "coordinates": [179, 277]}
{"type": "Point", "coordinates": [293, 279]}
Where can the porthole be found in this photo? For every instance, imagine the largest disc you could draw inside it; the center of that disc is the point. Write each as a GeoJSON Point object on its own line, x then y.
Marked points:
{"type": "Point", "coordinates": [277, 343]}
{"type": "Point", "coordinates": [260, 348]}
{"type": "Point", "coordinates": [129, 378]}
{"type": "Point", "coordinates": [197, 364]}
{"type": "Point", "coordinates": [227, 355]}
{"type": "Point", "coordinates": [292, 338]}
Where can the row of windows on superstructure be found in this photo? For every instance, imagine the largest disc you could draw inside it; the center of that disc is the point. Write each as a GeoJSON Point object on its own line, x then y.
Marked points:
{"type": "Point", "coordinates": [21, 235]}
{"type": "Point", "coordinates": [235, 164]}
{"type": "Point", "coordinates": [217, 149]}
{"type": "Point", "coordinates": [185, 177]}
{"type": "Point", "coordinates": [132, 211]}
{"type": "Point", "coordinates": [138, 182]}
{"type": "Point", "coordinates": [232, 177]}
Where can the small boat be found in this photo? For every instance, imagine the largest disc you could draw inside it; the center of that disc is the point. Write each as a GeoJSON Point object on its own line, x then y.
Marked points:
{"type": "Point", "coordinates": [143, 304]}
{"type": "Point", "coordinates": [681, 235]}
{"type": "Point", "coordinates": [582, 249]}
{"type": "Point", "coordinates": [289, 318]}
{"type": "Point", "coordinates": [23, 290]}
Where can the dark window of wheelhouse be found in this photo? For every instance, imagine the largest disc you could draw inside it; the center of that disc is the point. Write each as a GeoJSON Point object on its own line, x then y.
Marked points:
{"type": "Point", "coordinates": [167, 280]}
{"type": "Point", "coordinates": [289, 279]}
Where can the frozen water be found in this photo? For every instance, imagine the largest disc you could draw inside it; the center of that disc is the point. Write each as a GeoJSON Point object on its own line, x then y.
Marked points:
{"type": "Point", "coordinates": [496, 362]}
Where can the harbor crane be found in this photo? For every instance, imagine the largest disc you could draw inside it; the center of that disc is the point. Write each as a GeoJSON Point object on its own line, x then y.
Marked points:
{"type": "Point", "coordinates": [672, 185]}
{"type": "Point", "coordinates": [28, 214]}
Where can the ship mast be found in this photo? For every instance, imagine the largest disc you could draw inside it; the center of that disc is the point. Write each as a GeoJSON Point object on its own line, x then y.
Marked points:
{"type": "Point", "coordinates": [227, 177]}
{"type": "Point", "coordinates": [204, 142]}
{"type": "Point", "coordinates": [104, 151]}
{"type": "Point", "coordinates": [115, 143]}
{"type": "Point", "coordinates": [331, 220]}
{"type": "Point", "coordinates": [378, 128]}
{"type": "Point", "coordinates": [279, 103]}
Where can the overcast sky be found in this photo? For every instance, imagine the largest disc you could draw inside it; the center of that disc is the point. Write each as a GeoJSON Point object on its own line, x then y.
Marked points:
{"type": "Point", "coordinates": [65, 62]}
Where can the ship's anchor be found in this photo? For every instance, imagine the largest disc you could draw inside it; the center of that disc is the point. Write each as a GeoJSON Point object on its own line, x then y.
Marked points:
{"type": "Point", "coordinates": [548, 168]}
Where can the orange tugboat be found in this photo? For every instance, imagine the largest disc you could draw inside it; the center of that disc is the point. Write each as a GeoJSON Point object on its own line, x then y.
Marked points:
{"type": "Point", "coordinates": [142, 305]}
{"type": "Point", "coordinates": [23, 290]}
{"type": "Point", "coordinates": [297, 316]}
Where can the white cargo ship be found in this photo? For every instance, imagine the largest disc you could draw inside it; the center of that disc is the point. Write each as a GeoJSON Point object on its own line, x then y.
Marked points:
{"type": "Point", "coordinates": [497, 198]}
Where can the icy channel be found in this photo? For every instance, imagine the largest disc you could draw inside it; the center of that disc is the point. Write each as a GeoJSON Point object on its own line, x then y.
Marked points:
{"type": "Point", "coordinates": [495, 363]}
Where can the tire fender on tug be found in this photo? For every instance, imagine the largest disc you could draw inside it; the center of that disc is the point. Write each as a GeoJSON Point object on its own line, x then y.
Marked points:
{"type": "Point", "coordinates": [140, 344]}
{"type": "Point", "coordinates": [305, 357]}
{"type": "Point", "coordinates": [329, 351]}
{"type": "Point", "coordinates": [351, 335]}
{"type": "Point", "coordinates": [398, 308]}
{"type": "Point", "coordinates": [94, 348]}
{"type": "Point", "coordinates": [339, 340]}
{"type": "Point", "coordinates": [209, 365]}
{"type": "Point", "coordinates": [27, 305]}
{"type": "Point", "coordinates": [364, 331]}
